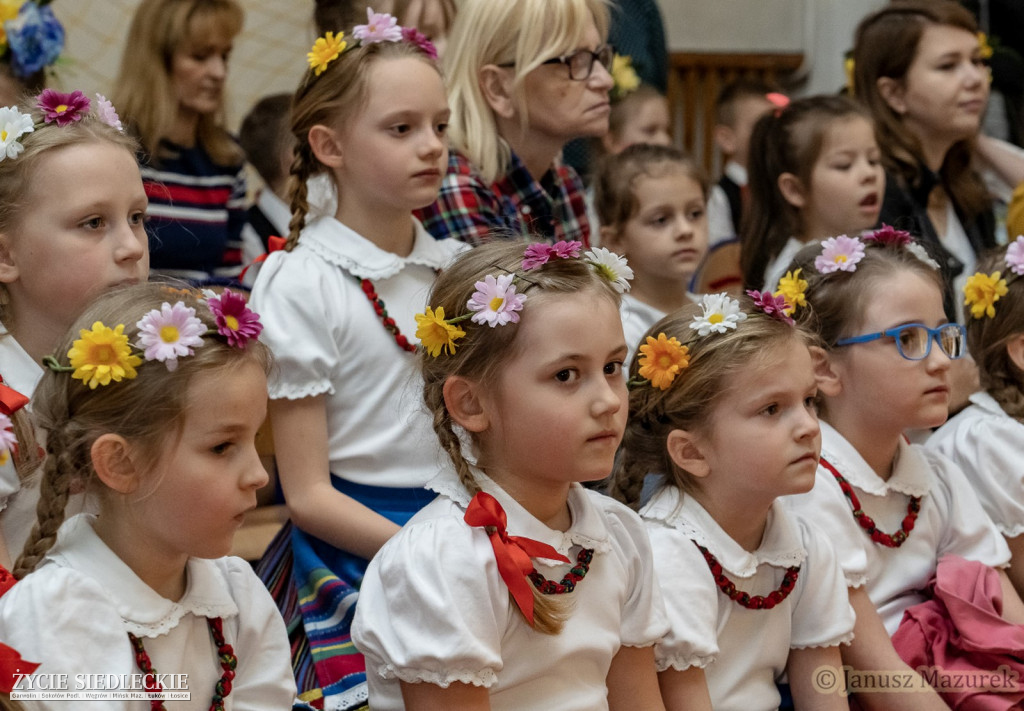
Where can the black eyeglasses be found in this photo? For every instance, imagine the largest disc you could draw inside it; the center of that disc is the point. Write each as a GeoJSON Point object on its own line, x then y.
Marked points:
{"type": "Point", "coordinates": [914, 340]}
{"type": "Point", "coordinates": [581, 62]}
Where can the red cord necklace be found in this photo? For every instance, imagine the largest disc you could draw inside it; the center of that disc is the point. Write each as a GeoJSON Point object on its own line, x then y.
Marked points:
{"type": "Point", "coordinates": [382, 314]}
{"type": "Point", "coordinates": [225, 654]}
{"type": "Point", "coordinates": [745, 599]}
{"type": "Point", "coordinates": [867, 523]}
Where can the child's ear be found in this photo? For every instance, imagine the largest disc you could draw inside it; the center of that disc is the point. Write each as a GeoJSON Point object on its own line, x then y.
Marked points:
{"type": "Point", "coordinates": [496, 86]}
{"type": "Point", "coordinates": [685, 452]}
{"type": "Point", "coordinates": [610, 238]}
{"type": "Point", "coordinates": [1015, 349]}
{"type": "Point", "coordinates": [726, 139]}
{"type": "Point", "coordinates": [465, 403]}
{"type": "Point", "coordinates": [792, 190]}
{"type": "Point", "coordinates": [891, 91]}
{"type": "Point", "coordinates": [8, 269]}
{"type": "Point", "coordinates": [825, 372]}
{"type": "Point", "coordinates": [113, 462]}
{"type": "Point", "coordinates": [324, 143]}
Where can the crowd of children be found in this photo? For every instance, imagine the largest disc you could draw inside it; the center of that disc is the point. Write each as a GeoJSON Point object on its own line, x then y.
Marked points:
{"type": "Point", "coordinates": [521, 470]}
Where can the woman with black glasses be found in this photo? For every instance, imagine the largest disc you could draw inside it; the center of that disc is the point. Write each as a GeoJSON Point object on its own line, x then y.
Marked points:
{"type": "Point", "coordinates": [525, 77]}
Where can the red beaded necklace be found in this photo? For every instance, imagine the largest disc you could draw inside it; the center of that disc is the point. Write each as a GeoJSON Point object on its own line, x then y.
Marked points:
{"type": "Point", "coordinates": [867, 523]}
{"type": "Point", "coordinates": [382, 314]}
{"type": "Point", "coordinates": [225, 654]}
{"type": "Point", "coordinates": [751, 602]}
{"type": "Point", "coordinates": [568, 584]}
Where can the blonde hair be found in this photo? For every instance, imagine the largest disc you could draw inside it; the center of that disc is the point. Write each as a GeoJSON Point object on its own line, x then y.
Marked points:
{"type": "Point", "coordinates": [483, 351]}
{"type": "Point", "coordinates": [332, 99]}
{"type": "Point", "coordinates": [688, 402]}
{"type": "Point", "coordinates": [146, 410]}
{"type": "Point", "coordinates": [525, 33]}
{"type": "Point", "coordinates": [987, 339]}
{"type": "Point", "coordinates": [144, 90]}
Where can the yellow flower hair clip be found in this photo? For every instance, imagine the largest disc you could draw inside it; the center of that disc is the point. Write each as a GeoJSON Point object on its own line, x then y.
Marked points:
{"type": "Point", "coordinates": [982, 291]}
{"type": "Point", "coordinates": [985, 49]}
{"type": "Point", "coordinates": [325, 50]}
{"type": "Point", "coordinates": [661, 360]}
{"type": "Point", "coordinates": [792, 288]}
{"type": "Point", "coordinates": [624, 77]}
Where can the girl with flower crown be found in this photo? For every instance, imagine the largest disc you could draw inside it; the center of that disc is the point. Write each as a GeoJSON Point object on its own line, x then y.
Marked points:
{"type": "Point", "coordinates": [151, 403]}
{"type": "Point", "coordinates": [353, 449]}
{"type": "Point", "coordinates": [751, 593]}
{"type": "Point", "coordinates": [55, 256]}
{"type": "Point", "coordinates": [987, 438]}
{"type": "Point", "coordinates": [924, 563]}
{"type": "Point", "coordinates": [517, 588]}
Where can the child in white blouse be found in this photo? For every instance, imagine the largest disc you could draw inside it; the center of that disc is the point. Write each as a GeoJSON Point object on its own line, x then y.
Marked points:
{"type": "Point", "coordinates": [894, 510]}
{"type": "Point", "coordinates": [986, 439]}
{"type": "Point", "coordinates": [168, 450]}
{"type": "Point", "coordinates": [517, 588]}
{"type": "Point", "coordinates": [722, 405]}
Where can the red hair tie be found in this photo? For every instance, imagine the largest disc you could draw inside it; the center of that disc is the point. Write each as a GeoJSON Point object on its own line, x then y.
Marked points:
{"type": "Point", "coordinates": [779, 101]}
{"type": "Point", "coordinates": [512, 553]}
{"type": "Point", "coordinates": [10, 399]}
{"type": "Point", "coordinates": [274, 244]}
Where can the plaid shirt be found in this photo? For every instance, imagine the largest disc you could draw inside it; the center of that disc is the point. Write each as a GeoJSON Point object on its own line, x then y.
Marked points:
{"type": "Point", "coordinates": [469, 209]}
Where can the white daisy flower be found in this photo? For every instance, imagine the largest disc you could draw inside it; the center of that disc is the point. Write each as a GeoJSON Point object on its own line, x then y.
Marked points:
{"type": "Point", "coordinates": [721, 312]}
{"type": "Point", "coordinates": [13, 125]}
{"type": "Point", "coordinates": [611, 266]}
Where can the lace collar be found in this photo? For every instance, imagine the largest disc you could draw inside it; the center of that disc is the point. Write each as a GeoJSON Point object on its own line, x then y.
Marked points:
{"type": "Point", "coordinates": [910, 475]}
{"type": "Point", "coordinates": [145, 613]}
{"type": "Point", "coordinates": [781, 545]}
{"type": "Point", "coordinates": [588, 528]}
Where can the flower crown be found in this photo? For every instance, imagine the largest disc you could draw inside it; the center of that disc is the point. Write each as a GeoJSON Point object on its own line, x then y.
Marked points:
{"type": "Point", "coordinates": [624, 77]}
{"type": "Point", "coordinates": [844, 253]}
{"type": "Point", "coordinates": [982, 291]}
{"type": "Point", "coordinates": [379, 27]}
{"type": "Point", "coordinates": [31, 37]}
{"type": "Point", "coordinates": [56, 107]}
{"type": "Point", "coordinates": [103, 354]}
{"type": "Point", "coordinates": [496, 301]}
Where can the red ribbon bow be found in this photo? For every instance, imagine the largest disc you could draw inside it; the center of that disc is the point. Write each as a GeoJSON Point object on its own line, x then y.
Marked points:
{"type": "Point", "coordinates": [512, 553]}
{"type": "Point", "coordinates": [10, 399]}
{"type": "Point", "coordinates": [274, 244]}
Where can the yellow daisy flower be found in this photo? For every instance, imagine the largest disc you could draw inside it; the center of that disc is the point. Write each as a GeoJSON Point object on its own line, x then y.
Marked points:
{"type": "Point", "coordinates": [623, 75]}
{"type": "Point", "coordinates": [984, 48]}
{"type": "Point", "coordinates": [325, 50]}
{"type": "Point", "coordinates": [982, 291]}
{"type": "Point", "coordinates": [8, 11]}
{"type": "Point", "coordinates": [792, 288]}
{"type": "Point", "coordinates": [435, 334]}
{"type": "Point", "coordinates": [662, 359]}
{"type": "Point", "coordinates": [102, 355]}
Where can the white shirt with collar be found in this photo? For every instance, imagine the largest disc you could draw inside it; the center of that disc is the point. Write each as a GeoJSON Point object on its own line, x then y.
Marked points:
{"type": "Point", "coordinates": [988, 445]}
{"type": "Point", "coordinates": [17, 504]}
{"type": "Point", "coordinates": [951, 521]}
{"type": "Point", "coordinates": [73, 615]}
{"type": "Point", "coordinates": [434, 608]}
{"type": "Point", "coordinates": [743, 652]}
{"type": "Point", "coordinates": [327, 340]}
{"type": "Point", "coordinates": [720, 226]}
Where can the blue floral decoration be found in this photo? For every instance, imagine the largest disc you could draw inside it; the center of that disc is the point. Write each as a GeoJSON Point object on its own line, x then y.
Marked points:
{"type": "Point", "coordinates": [35, 38]}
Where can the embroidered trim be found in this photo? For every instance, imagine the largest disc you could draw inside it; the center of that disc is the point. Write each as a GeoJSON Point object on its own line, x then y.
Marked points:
{"type": "Point", "coordinates": [867, 523]}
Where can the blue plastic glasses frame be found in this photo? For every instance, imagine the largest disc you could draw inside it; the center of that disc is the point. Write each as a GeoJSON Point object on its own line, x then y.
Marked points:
{"type": "Point", "coordinates": [934, 334]}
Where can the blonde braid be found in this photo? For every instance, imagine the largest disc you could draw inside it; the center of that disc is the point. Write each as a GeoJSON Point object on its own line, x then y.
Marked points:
{"type": "Point", "coordinates": [627, 480]}
{"type": "Point", "coordinates": [301, 170]}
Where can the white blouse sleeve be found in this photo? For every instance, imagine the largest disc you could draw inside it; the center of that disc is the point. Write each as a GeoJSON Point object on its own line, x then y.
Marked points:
{"type": "Point", "coordinates": [10, 483]}
{"type": "Point", "coordinates": [433, 607]}
{"type": "Point", "coordinates": [644, 620]}
{"type": "Point", "coordinates": [969, 532]}
{"type": "Point", "coordinates": [301, 306]}
{"type": "Point", "coordinates": [990, 451]}
{"type": "Point", "coordinates": [822, 615]}
{"type": "Point", "coordinates": [264, 678]}
{"type": "Point", "coordinates": [691, 601]}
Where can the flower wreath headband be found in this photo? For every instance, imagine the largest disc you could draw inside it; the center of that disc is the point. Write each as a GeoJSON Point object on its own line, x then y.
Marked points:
{"type": "Point", "coordinates": [103, 355]}
{"type": "Point", "coordinates": [496, 302]}
{"type": "Point", "coordinates": [379, 27]}
{"type": "Point", "coordinates": [56, 107]}
{"type": "Point", "coordinates": [982, 291]}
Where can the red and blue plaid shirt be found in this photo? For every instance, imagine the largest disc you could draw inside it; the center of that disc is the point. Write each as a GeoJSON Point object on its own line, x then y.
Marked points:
{"type": "Point", "coordinates": [515, 205]}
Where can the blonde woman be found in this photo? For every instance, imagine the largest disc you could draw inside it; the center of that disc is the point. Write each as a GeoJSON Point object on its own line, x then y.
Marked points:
{"type": "Point", "coordinates": [525, 77]}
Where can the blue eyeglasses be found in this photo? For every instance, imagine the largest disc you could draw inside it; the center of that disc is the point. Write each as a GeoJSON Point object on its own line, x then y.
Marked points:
{"type": "Point", "coordinates": [914, 340]}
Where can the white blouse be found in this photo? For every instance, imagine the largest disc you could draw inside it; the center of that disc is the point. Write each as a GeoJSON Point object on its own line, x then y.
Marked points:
{"type": "Point", "coordinates": [73, 615]}
{"type": "Point", "coordinates": [950, 521]}
{"type": "Point", "coordinates": [988, 445]}
{"type": "Point", "coordinates": [327, 340]}
{"type": "Point", "coordinates": [743, 652]}
{"type": "Point", "coordinates": [433, 607]}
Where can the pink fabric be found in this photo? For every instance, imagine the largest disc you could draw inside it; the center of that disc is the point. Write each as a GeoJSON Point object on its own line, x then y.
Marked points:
{"type": "Point", "coordinates": [960, 631]}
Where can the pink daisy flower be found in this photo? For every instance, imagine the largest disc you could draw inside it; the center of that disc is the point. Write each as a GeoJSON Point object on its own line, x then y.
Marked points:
{"type": "Point", "coordinates": [235, 321]}
{"type": "Point", "coordinates": [774, 306]}
{"type": "Point", "coordinates": [414, 36]}
{"type": "Point", "coordinates": [840, 253]}
{"type": "Point", "coordinates": [1015, 255]}
{"type": "Point", "coordinates": [63, 108]}
{"type": "Point", "coordinates": [167, 333]}
{"type": "Point", "coordinates": [379, 27]}
{"type": "Point", "coordinates": [495, 301]}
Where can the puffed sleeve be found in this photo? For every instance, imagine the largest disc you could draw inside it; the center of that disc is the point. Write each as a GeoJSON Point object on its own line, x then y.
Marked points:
{"type": "Point", "coordinates": [822, 615]}
{"type": "Point", "coordinates": [433, 607]}
{"type": "Point", "coordinates": [299, 306]}
{"type": "Point", "coordinates": [969, 532]}
{"type": "Point", "coordinates": [264, 678]}
{"type": "Point", "coordinates": [644, 621]}
{"type": "Point", "coordinates": [990, 451]}
{"type": "Point", "coordinates": [691, 601]}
